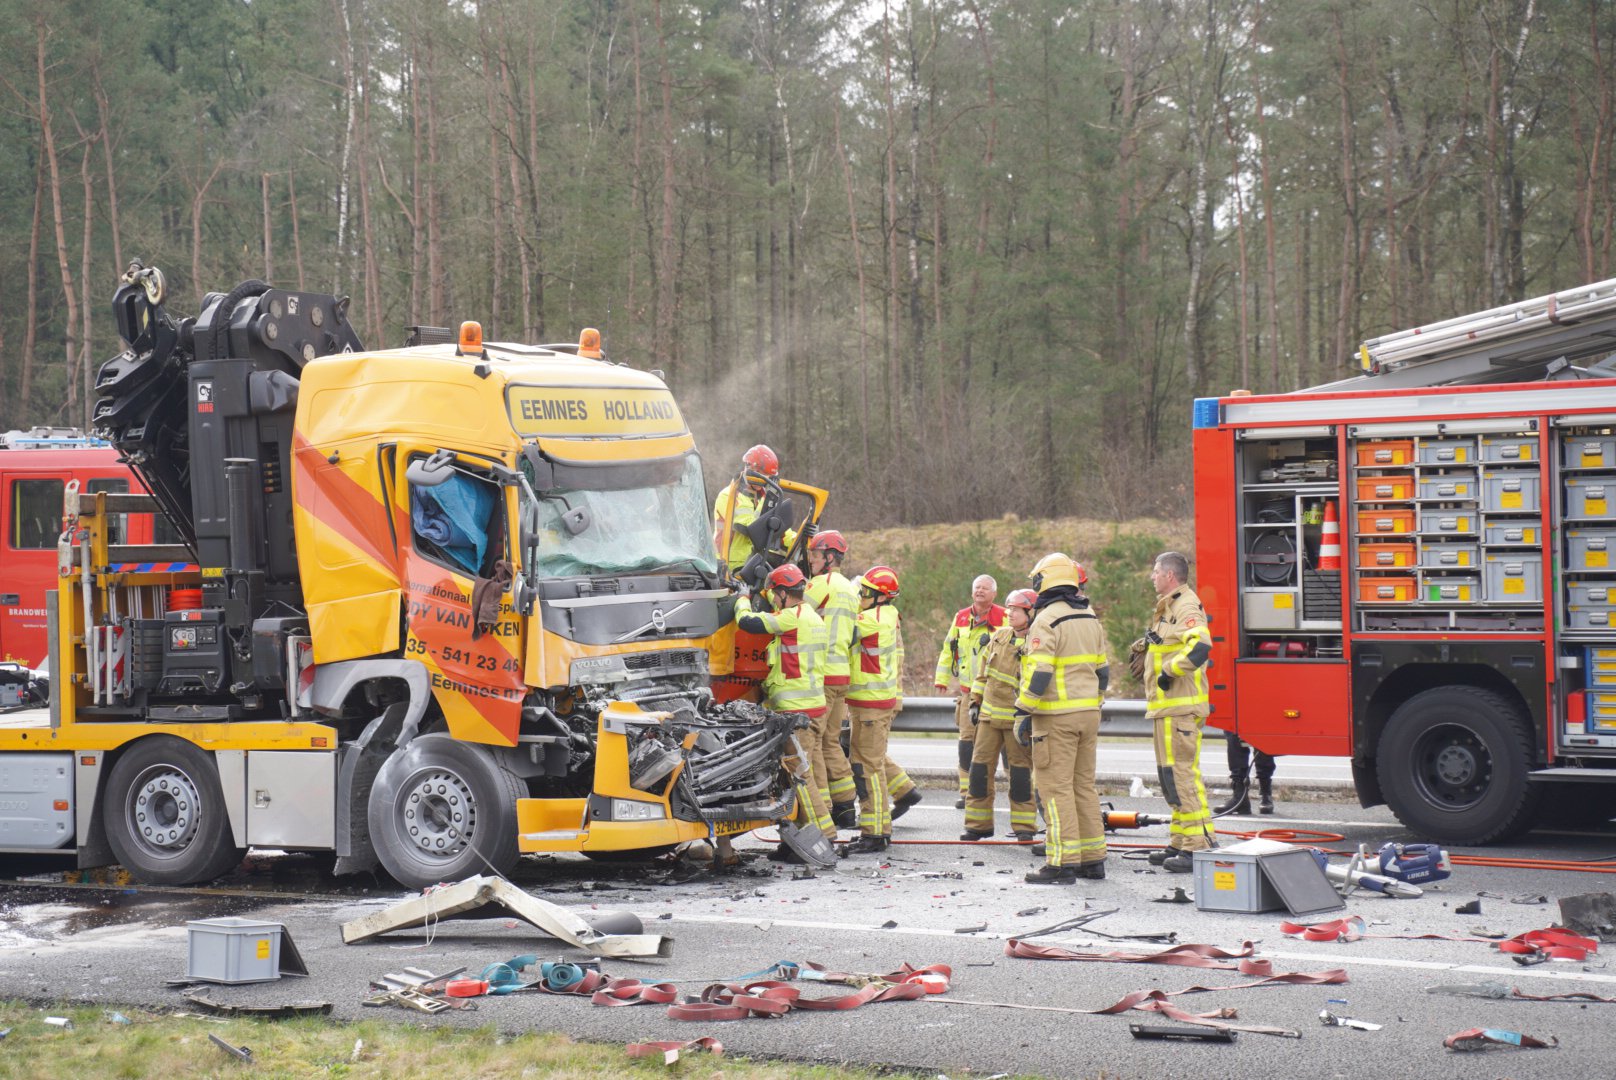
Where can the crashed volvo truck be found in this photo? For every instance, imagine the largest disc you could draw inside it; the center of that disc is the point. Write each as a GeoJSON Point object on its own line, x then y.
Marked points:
{"type": "Point", "coordinates": [432, 608]}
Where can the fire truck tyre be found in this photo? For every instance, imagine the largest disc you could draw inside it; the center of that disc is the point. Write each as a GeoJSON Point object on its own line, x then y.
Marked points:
{"type": "Point", "coordinates": [443, 810]}
{"type": "Point", "coordinates": [165, 814]}
{"type": "Point", "coordinates": [1453, 765]}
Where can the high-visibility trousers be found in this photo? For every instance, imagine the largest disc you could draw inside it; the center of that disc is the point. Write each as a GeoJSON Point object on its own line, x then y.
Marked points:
{"type": "Point", "coordinates": [1178, 768]}
{"type": "Point", "coordinates": [1064, 748]}
{"type": "Point", "coordinates": [868, 731]}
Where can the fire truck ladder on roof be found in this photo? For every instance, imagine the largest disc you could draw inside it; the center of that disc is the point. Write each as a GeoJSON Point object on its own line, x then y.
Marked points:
{"type": "Point", "coordinates": [1521, 342]}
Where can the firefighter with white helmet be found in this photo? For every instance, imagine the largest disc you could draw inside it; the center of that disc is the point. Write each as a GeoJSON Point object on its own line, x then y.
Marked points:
{"type": "Point", "coordinates": [874, 697]}
{"type": "Point", "coordinates": [1174, 654]}
{"type": "Point", "coordinates": [1064, 674]}
{"type": "Point", "coordinates": [796, 679]}
{"type": "Point", "coordinates": [957, 662]}
{"type": "Point", "coordinates": [993, 712]}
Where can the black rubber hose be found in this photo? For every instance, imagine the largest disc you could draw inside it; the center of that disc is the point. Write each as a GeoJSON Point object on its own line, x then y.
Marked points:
{"type": "Point", "coordinates": [227, 305]}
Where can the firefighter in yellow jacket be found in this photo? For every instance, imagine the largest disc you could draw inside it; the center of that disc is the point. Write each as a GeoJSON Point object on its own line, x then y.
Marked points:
{"type": "Point", "coordinates": [836, 600]}
{"type": "Point", "coordinates": [874, 697]}
{"type": "Point", "coordinates": [796, 679]}
{"type": "Point", "coordinates": [748, 510]}
{"type": "Point", "coordinates": [1063, 679]}
{"type": "Point", "coordinates": [993, 714]}
{"type": "Point", "coordinates": [1172, 660]}
{"type": "Point", "coordinates": [967, 636]}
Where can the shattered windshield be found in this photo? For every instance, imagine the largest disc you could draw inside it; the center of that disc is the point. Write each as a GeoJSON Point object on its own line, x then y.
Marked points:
{"type": "Point", "coordinates": [642, 517]}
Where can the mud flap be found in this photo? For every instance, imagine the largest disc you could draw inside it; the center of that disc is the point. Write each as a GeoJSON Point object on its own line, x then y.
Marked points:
{"type": "Point", "coordinates": [810, 843]}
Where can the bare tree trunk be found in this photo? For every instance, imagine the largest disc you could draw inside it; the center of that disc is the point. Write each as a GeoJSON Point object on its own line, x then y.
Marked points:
{"type": "Point", "coordinates": [1270, 269]}
{"type": "Point", "coordinates": [417, 182]}
{"type": "Point", "coordinates": [103, 111]}
{"type": "Point", "coordinates": [199, 201]}
{"type": "Point", "coordinates": [436, 301]}
{"type": "Point", "coordinates": [864, 327]}
{"type": "Point", "coordinates": [1350, 269]}
{"type": "Point", "coordinates": [297, 241]}
{"type": "Point", "coordinates": [889, 235]}
{"type": "Point", "coordinates": [58, 216]}
{"type": "Point", "coordinates": [917, 317]}
{"type": "Point", "coordinates": [374, 322]}
{"type": "Point", "coordinates": [30, 326]}
{"type": "Point", "coordinates": [666, 344]}
{"type": "Point", "coordinates": [269, 236]}
{"type": "Point", "coordinates": [345, 49]}
{"type": "Point", "coordinates": [984, 209]}
{"type": "Point", "coordinates": [85, 365]}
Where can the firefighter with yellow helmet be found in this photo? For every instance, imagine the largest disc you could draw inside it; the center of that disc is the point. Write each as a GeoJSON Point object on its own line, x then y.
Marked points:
{"type": "Point", "coordinates": [993, 713]}
{"type": "Point", "coordinates": [874, 697]}
{"type": "Point", "coordinates": [1171, 660]}
{"type": "Point", "coordinates": [796, 679]}
{"type": "Point", "coordinates": [1063, 679]}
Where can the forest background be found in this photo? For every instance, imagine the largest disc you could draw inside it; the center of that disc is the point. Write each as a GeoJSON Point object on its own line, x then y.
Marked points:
{"type": "Point", "coordinates": [953, 259]}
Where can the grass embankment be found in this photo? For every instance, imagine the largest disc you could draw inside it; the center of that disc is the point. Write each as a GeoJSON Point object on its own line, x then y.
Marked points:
{"type": "Point", "coordinates": [936, 564]}
{"type": "Point", "coordinates": [151, 1045]}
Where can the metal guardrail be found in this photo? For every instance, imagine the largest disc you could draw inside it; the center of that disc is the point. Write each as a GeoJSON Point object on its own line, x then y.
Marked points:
{"type": "Point", "coordinates": [1122, 717]}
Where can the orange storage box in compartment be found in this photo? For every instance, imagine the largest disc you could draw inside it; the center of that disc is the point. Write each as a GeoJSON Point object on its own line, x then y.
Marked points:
{"type": "Point", "coordinates": [1385, 488]}
{"type": "Point", "coordinates": [1379, 522]}
{"type": "Point", "coordinates": [1386, 556]}
{"type": "Point", "coordinates": [1393, 452]}
{"type": "Point", "coordinates": [1387, 590]}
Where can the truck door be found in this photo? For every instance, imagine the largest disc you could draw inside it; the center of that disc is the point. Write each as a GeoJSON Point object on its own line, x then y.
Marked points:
{"type": "Point", "coordinates": [460, 617]}
{"type": "Point", "coordinates": [32, 519]}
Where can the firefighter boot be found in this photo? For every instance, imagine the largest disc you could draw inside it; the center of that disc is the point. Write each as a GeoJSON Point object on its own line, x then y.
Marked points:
{"type": "Point", "coordinates": [901, 805]}
{"type": "Point", "coordinates": [867, 845]}
{"type": "Point", "coordinates": [845, 815]}
{"type": "Point", "coordinates": [1052, 875]}
{"type": "Point", "coordinates": [1265, 798]}
{"type": "Point", "coordinates": [1239, 799]}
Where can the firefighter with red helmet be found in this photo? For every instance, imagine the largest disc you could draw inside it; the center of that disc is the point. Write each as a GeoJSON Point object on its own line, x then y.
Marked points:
{"type": "Point", "coordinates": [993, 712]}
{"type": "Point", "coordinates": [1064, 674]}
{"type": "Point", "coordinates": [874, 697]}
{"type": "Point", "coordinates": [796, 679]}
{"type": "Point", "coordinates": [755, 515]}
{"type": "Point", "coordinates": [838, 603]}
{"type": "Point", "coordinates": [967, 636]}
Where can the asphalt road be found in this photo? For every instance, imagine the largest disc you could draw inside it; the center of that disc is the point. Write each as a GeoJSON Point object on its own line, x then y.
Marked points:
{"type": "Point", "coordinates": [928, 903]}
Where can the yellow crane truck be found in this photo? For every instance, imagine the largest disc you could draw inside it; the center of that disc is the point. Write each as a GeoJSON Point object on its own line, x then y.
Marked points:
{"type": "Point", "coordinates": [435, 607]}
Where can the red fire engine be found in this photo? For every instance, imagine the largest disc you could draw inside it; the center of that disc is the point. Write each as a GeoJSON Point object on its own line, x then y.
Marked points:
{"type": "Point", "coordinates": [1461, 648]}
{"type": "Point", "coordinates": [35, 467]}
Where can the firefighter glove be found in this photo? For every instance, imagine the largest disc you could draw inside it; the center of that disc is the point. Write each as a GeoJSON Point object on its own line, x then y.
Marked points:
{"type": "Point", "coordinates": [1136, 659]}
{"type": "Point", "coordinates": [976, 714]}
{"type": "Point", "coordinates": [1164, 681]}
{"type": "Point", "coordinates": [1024, 728]}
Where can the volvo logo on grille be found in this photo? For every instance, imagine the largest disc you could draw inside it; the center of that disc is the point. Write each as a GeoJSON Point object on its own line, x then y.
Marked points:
{"type": "Point", "coordinates": [659, 620]}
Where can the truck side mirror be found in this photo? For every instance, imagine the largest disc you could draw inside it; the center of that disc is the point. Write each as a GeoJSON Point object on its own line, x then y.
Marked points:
{"type": "Point", "coordinates": [431, 471]}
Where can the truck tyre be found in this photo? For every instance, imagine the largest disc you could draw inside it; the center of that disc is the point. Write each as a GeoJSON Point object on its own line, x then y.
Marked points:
{"type": "Point", "coordinates": [1453, 765]}
{"type": "Point", "coordinates": [165, 814]}
{"type": "Point", "coordinates": [443, 810]}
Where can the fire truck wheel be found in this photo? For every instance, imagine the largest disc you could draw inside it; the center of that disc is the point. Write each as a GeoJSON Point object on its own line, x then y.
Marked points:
{"type": "Point", "coordinates": [1453, 766]}
{"type": "Point", "coordinates": [165, 814]}
{"type": "Point", "coordinates": [443, 810]}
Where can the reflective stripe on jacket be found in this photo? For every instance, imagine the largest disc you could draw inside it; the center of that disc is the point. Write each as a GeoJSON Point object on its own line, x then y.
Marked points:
{"type": "Point", "coordinates": [877, 660]}
{"type": "Point", "coordinates": [1180, 624]}
{"type": "Point", "coordinates": [834, 597]}
{"type": "Point", "coordinates": [1067, 640]}
{"type": "Point", "coordinates": [998, 678]}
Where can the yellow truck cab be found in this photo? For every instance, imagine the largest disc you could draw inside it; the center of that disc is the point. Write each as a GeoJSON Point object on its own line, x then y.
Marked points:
{"type": "Point", "coordinates": [455, 602]}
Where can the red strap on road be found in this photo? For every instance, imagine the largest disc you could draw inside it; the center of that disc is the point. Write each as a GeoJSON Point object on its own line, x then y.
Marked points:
{"type": "Point", "coordinates": [670, 1051]}
{"type": "Point", "coordinates": [593, 980]}
{"type": "Point", "coordinates": [769, 997]}
{"type": "Point", "coordinates": [1352, 928]}
{"type": "Point", "coordinates": [1555, 943]}
{"type": "Point", "coordinates": [634, 992]}
{"type": "Point", "coordinates": [1201, 956]}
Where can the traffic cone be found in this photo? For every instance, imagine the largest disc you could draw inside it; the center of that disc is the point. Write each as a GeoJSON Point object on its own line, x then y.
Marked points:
{"type": "Point", "coordinates": [1330, 542]}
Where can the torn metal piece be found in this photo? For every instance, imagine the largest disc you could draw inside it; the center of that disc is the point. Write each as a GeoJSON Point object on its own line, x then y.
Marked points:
{"type": "Point", "coordinates": [1177, 897]}
{"type": "Point", "coordinates": [481, 891]}
{"type": "Point", "coordinates": [200, 998]}
{"type": "Point", "coordinates": [971, 929]}
{"type": "Point", "coordinates": [412, 999]}
{"type": "Point", "coordinates": [1590, 914]}
{"type": "Point", "coordinates": [1472, 908]}
{"type": "Point", "coordinates": [240, 1053]}
{"type": "Point", "coordinates": [1330, 1019]}
{"type": "Point", "coordinates": [1480, 990]}
{"type": "Point", "coordinates": [1188, 1034]}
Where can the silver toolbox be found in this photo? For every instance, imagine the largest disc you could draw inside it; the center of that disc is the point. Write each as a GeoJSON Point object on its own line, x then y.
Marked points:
{"type": "Point", "coordinates": [1589, 616]}
{"type": "Point", "coordinates": [1456, 486]}
{"type": "Point", "coordinates": [1447, 451]}
{"type": "Point", "coordinates": [1512, 532]}
{"type": "Point", "coordinates": [1449, 522]}
{"type": "Point", "coordinates": [1451, 589]}
{"type": "Point", "coordinates": [1592, 497]}
{"type": "Point", "coordinates": [1509, 448]}
{"type": "Point", "coordinates": [1590, 451]}
{"type": "Point", "coordinates": [1590, 549]}
{"type": "Point", "coordinates": [36, 800]}
{"type": "Point", "coordinates": [1591, 592]}
{"type": "Point", "coordinates": [1449, 556]}
{"type": "Point", "coordinates": [1512, 491]}
{"type": "Point", "coordinates": [1512, 577]}
{"type": "Point", "coordinates": [229, 949]}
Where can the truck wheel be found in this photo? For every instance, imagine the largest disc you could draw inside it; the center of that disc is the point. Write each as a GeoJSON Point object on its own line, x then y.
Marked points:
{"type": "Point", "coordinates": [443, 810]}
{"type": "Point", "coordinates": [165, 814]}
{"type": "Point", "coordinates": [1453, 765]}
